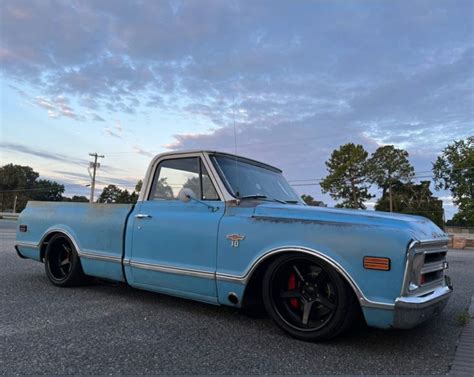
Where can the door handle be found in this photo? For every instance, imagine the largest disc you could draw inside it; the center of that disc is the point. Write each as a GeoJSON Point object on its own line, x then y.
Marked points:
{"type": "Point", "coordinates": [142, 216]}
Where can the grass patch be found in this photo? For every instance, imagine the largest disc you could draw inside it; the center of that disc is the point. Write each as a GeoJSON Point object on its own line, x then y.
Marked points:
{"type": "Point", "coordinates": [463, 318]}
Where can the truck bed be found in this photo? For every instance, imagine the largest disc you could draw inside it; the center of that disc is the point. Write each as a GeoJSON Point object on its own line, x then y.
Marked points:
{"type": "Point", "coordinates": [97, 230]}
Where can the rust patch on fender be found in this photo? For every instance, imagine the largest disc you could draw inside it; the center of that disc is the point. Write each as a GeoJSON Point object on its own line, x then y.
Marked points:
{"type": "Point", "coordinates": [284, 220]}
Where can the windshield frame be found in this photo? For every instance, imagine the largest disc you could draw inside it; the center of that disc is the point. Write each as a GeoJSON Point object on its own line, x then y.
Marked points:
{"type": "Point", "coordinates": [228, 186]}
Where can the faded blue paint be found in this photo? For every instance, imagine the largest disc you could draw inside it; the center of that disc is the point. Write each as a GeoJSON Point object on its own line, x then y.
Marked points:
{"type": "Point", "coordinates": [176, 234]}
{"type": "Point", "coordinates": [381, 318]}
{"type": "Point", "coordinates": [29, 252]}
{"type": "Point", "coordinates": [176, 285]}
{"type": "Point", "coordinates": [190, 237]}
{"type": "Point", "coordinates": [102, 269]}
{"type": "Point", "coordinates": [343, 235]}
{"type": "Point", "coordinates": [97, 229]}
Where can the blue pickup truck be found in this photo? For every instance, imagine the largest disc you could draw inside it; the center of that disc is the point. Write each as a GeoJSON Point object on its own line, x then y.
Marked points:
{"type": "Point", "coordinates": [227, 230]}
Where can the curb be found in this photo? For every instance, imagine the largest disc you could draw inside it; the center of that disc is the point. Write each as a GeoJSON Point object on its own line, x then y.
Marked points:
{"type": "Point", "coordinates": [463, 363]}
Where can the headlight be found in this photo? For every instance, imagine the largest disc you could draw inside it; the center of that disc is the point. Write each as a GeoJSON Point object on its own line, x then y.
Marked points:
{"type": "Point", "coordinates": [415, 275]}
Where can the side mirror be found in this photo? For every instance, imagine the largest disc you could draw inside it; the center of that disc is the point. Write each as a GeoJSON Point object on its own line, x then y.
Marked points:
{"type": "Point", "coordinates": [186, 194]}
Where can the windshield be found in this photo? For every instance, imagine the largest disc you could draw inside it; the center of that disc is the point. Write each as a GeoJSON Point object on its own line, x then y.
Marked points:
{"type": "Point", "coordinates": [246, 179]}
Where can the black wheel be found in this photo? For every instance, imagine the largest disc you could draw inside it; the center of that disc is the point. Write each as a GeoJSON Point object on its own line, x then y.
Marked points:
{"type": "Point", "coordinates": [62, 265]}
{"type": "Point", "coordinates": [307, 298]}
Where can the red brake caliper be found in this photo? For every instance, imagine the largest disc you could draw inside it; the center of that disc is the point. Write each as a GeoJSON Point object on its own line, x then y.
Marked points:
{"type": "Point", "coordinates": [292, 285]}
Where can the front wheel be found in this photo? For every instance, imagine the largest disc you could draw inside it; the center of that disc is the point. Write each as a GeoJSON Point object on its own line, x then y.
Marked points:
{"type": "Point", "coordinates": [62, 264]}
{"type": "Point", "coordinates": [307, 298]}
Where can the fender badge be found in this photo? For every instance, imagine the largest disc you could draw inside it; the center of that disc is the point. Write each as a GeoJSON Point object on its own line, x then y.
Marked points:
{"type": "Point", "coordinates": [235, 239]}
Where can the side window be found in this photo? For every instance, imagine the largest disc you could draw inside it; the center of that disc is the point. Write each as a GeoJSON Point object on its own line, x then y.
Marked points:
{"type": "Point", "coordinates": [172, 176]}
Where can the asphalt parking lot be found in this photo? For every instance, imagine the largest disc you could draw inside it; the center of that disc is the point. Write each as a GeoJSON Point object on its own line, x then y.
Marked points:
{"type": "Point", "coordinates": [107, 328]}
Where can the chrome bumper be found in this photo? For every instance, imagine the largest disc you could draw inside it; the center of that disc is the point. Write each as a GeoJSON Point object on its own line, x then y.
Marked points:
{"type": "Point", "coordinates": [410, 311]}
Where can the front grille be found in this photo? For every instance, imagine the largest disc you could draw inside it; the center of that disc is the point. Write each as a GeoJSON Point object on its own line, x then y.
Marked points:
{"type": "Point", "coordinates": [427, 265]}
{"type": "Point", "coordinates": [435, 257]}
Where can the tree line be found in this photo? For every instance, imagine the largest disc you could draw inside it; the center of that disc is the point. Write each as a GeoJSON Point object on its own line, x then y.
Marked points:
{"type": "Point", "coordinates": [351, 174]}
{"type": "Point", "coordinates": [19, 184]}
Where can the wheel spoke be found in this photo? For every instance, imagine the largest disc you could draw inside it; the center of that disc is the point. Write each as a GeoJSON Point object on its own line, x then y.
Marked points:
{"type": "Point", "coordinates": [298, 273]}
{"type": "Point", "coordinates": [321, 278]}
{"type": "Point", "coordinates": [325, 302]}
{"type": "Point", "coordinates": [290, 294]}
{"type": "Point", "coordinates": [66, 247]}
{"type": "Point", "coordinates": [306, 311]}
{"type": "Point", "coordinates": [65, 262]}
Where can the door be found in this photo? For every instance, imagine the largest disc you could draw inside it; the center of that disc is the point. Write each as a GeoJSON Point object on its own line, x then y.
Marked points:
{"type": "Point", "coordinates": [174, 243]}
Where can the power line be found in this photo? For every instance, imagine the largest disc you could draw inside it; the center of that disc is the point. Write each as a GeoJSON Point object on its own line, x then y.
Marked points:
{"type": "Point", "coordinates": [27, 189]}
{"type": "Point", "coordinates": [417, 175]}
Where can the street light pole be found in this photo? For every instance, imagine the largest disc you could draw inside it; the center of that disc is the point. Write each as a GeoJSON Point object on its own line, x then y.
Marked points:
{"type": "Point", "coordinates": [94, 165]}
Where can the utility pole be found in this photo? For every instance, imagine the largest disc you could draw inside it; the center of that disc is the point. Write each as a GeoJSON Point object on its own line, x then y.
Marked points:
{"type": "Point", "coordinates": [94, 165]}
{"type": "Point", "coordinates": [14, 203]}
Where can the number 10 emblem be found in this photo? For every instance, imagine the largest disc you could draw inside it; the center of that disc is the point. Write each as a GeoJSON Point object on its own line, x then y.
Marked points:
{"type": "Point", "coordinates": [235, 239]}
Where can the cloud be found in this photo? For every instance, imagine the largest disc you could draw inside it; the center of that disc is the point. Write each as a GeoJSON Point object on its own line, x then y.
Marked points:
{"type": "Point", "coordinates": [112, 132]}
{"type": "Point", "coordinates": [102, 180]}
{"type": "Point", "coordinates": [142, 152]}
{"type": "Point", "coordinates": [57, 107]}
{"type": "Point", "coordinates": [115, 131]}
{"type": "Point", "coordinates": [297, 81]}
{"type": "Point", "coordinates": [18, 148]}
{"type": "Point", "coordinates": [97, 118]}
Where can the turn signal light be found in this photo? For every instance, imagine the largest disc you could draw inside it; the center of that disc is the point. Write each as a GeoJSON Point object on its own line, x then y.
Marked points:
{"type": "Point", "coordinates": [377, 263]}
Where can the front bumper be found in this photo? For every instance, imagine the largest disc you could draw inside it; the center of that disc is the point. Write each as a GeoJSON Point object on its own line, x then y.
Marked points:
{"type": "Point", "coordinates": [410, 311]}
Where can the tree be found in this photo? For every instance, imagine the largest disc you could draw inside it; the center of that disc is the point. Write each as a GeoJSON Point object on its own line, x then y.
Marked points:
{"type": "Point", "coordinates": [309, 200]}
{"type": "Point", "coordinates": [348, 176]}
{"type": "Point", "coordinates": [76, 198]}
{"type": "Point", "coordinates": [46, 190]}
{"type": "Point", "coordinates": [454, 170]}
{"type": "Point", "coordinates": [19, 178]}
{"type": "Point", "coordinates": [112, 194]}
{"type": "Point", "coordinates": [138, 186]}
{"type": "Point", "coordinates": [18, 184]}
{"type": "Point", "coordinates": [461, 219]}
{"type": "Point", "coordinates": [387, 165]}
{"type": "Point", "coordinates": [413, 199]}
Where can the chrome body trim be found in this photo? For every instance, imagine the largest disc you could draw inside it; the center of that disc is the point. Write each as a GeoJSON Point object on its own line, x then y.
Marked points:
{"type": "Point", "coordinates": [18, 253]}
{"type": "Point", "coordinates": [31, 245]}
{"type": "Point", "coordinates": [213, 175]}
{"type": "Point", "coordinates": [173, 270]}
{"type": "Point", "coordinates": [434, 266]}
{"type": "Point", "coordinates": [418, 302]}
{"type": "Point", "coordinates": [82, 253]}
{"type": "Point", "coordinates": [142, 216]}
{"type": "Point", "coordinates": [98, 256]}
{"type": "Point", "coordinates": [410, 311]}
{"type": "Point", "coordinates": [417, 247]}
{"type": "Point", "coordinates": [59, 230]}
{"type": "Point", "coordinates": [244, 279]}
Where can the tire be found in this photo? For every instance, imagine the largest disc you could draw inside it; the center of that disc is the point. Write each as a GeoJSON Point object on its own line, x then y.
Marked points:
{"type": "Point", "coordinates": [307, 298]}
{"type": "Point", "coordinates": [62, 265]}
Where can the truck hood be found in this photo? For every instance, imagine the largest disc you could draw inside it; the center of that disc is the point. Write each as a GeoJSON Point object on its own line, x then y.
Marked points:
{"type": "Point", "coordinates": [420, 228]}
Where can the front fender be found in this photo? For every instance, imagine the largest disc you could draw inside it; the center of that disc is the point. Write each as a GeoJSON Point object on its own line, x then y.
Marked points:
{"type": "Point", "coordinates": [341, 245]}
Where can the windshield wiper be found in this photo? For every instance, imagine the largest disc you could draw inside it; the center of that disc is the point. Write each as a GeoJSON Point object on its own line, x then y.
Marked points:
{"type": "Point", "coordinates": [264, 197]}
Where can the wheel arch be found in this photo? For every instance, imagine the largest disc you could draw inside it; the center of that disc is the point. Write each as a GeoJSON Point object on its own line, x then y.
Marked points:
{"type": "Point", "coordinates": [253, 280]}
{"type": "Point", "coordinates": [50, 233]}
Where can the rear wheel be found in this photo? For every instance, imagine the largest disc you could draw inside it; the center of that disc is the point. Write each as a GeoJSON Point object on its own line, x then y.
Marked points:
{"type": "Point", "coordinates": [62, 264]}
{"type": "Point", "coordinates": [307, 298]}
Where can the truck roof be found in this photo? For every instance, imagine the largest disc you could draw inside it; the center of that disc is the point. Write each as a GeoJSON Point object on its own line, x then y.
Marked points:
{"type": "Point", "coordinates": [210, 151]}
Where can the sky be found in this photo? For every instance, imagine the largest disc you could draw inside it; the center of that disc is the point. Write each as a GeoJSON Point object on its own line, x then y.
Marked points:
{"type": "Point", "coordinates": [291, 80]}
